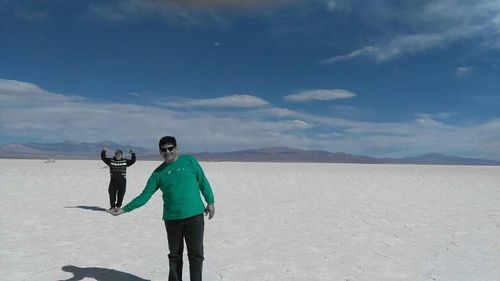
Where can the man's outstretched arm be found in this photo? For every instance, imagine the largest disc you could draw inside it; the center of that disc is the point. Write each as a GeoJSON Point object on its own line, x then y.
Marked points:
{"type": "Point", "coordinates": [143, 198]}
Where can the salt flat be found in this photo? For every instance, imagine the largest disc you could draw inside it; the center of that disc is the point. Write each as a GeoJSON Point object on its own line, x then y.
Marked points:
{"type": "Point", "coordinates": [274, 221]}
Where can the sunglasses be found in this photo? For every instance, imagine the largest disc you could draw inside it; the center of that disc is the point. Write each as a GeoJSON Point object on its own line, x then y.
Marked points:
{"type": "Point", "coordinates": [169, 148]}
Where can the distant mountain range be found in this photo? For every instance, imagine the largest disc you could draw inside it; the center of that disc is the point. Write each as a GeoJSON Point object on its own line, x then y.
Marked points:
{"type": "Point", "coordinates": [74, 150]}
{"type": "Point", "coordinates": [286, 154]}
{"type": "Point", "coordinates": [63, 150]}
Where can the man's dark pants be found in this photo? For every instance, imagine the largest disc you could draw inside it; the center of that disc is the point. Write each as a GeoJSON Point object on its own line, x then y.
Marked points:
{"type": "Point", "coordinates": [189, 229]}
{"type": "Point", "coordinates": [116, 191]}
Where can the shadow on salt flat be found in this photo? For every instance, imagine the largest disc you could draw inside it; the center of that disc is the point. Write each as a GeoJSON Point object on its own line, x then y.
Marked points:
{"type": "Point", "coordinates": [99, 274]}
{"type": "Point", "coordinates": [91, 208]}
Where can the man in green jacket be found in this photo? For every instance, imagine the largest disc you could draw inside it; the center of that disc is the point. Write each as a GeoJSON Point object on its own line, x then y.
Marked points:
{"type": "Point", "coordinates": [181, 179]}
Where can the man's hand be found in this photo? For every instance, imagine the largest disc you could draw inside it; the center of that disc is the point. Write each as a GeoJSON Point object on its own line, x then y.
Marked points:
{"type": "Point", "coordinates": [131, 151]}
{"type": "Point", "coordinates": [105, 147]}
{"type": "Point", "coordinates": [116, 211]}
{"type": "Point", "coordinates": [210, 211]}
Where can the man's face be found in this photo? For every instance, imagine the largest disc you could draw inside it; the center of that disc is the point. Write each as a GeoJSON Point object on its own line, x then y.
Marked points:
{"type": "Point", "coordinates": [118, 155]}
{"type": "Point", "coordinates": [169, 152]}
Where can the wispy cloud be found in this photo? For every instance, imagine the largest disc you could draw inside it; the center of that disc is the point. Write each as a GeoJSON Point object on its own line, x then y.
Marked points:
{"type": "Point", "coordinates": [320, 95]}
{"type": "Point", "coordinates": [224, 3]}
{"type": "Point", "coordinates": [243, 101]}
{"type": "Point", "coordinates": [365, 51]}
{"type": "Point", "coordinates": [422, 26]}
{"type": "Point", "coordinates": [400, 45]}
{"type": "Point", "coordinates": [463, 71]}
{"type": "Point", "coordinates": [279, 112]}
{"type": "Point", "coordinates": [413, 43]}
{"type": "Point", "coordinates": [137, 9]}
{"type": "Point", "coordinates": [196, 12]}
{"type": "Point", "coordinates": [134, 94]}
{"type": "Point", "coordinates": [426, 120]}
{"type": "Point", "coordinates": [339, 5]}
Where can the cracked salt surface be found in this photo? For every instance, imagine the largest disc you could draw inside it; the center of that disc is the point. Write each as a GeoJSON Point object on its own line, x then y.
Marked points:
{"type": "Point", "coordinates": [274, 221]}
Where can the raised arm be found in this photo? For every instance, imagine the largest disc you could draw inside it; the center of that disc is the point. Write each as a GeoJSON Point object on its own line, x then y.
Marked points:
{"type": "Point", "coordinates": [132, 160]}
{"type": "Point", "coordinates": [103, 155]}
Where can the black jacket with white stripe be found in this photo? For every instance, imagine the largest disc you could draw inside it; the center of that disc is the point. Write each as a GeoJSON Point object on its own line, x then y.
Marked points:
{"type": "Point", "coordinates": [117, 168]}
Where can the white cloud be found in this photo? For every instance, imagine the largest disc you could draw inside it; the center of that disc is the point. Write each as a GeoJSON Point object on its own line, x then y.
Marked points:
{"type": "Point", "coordinates": [414, 43]}
{"type": "Point", "coordinates": [279, 112]}
{"type": "Point", "coordinates": [339, 5]}
{"type": "Point", "coordinates": [320, 95]}
{"type": "Point", "coordinates": [399, 45]}
{"type": "Point", "coordinates": [298, 124]}
{"type": "Point", "coordinates": [243, 101]}
{"type": "Point", "coordinates": [424, 26]}
{"type": "Point", "coordinates": [134, 94]}
{"type": "Point", "coordinates": [354, 54]}
{"type": "Point", "coordinates": [427, 121]}
{"type": "Point", "coordinates": [463, 71]}
{"type": "Point", "coordinates": [30, 112]}
{"type": "Point", "coordinates": [197, 12]}
{"type": "Point", "coordinates": [220, 3]}
{"type": "Point", "coordinates": [12, 91]}
{"type": "Point", "coordinates": [426, 133]}
{"type": "Point", "coordinates": [136, 9]}
{"type": "Point", "coordinates": [23, 116]}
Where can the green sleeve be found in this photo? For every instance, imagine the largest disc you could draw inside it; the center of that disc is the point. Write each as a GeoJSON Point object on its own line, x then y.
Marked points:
{"type": "Point", "coordinates": [151, 187]}
{"type": "Point", "coordinates": [203, 184]}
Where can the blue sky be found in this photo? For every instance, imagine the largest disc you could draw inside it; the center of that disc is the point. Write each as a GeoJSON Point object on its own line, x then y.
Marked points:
{"type": "Point", "coordinates": [378, 78]}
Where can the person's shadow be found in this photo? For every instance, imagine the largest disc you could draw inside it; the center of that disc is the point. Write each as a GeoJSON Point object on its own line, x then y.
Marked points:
{"type": "Point", "coordinates": [99, 274]}
{"type": "Point", "coordinates": [92, 208]}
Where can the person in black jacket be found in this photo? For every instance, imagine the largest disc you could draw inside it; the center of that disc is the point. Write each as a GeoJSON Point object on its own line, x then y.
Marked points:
{"type": "Point", "coordinates": [118, 171]}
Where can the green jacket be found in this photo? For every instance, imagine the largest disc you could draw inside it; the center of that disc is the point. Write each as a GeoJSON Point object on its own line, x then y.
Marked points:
{"type": "Point", "coordinates": [181, 183]}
